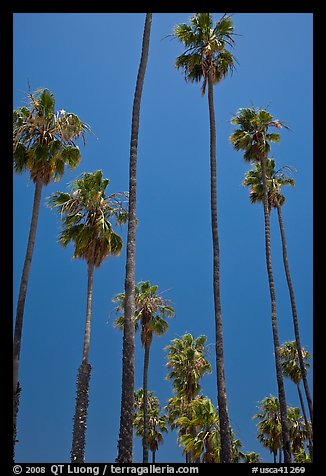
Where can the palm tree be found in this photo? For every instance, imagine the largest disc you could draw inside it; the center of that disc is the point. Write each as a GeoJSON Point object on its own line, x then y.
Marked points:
{"type": "Point", "coordinates": [270, 430]}
{"type": "Point", "coordinates": [269, 426]}
{"type": "Point", "coordinates": [43, 144]}
{"type": "Point", "coordinates": [207, 59]}
{"type": "Point", "coordinates": [253, 138]}
{"type": "Point", "coordinates": [202, 436]}
{"type": "Point", "coordinates": [302, 457]}
{"type": "Point", "coordinates": [276, 179]}
{"type": "Point", "coordinates": [299, 430]}
{"type": "Point", "coordinates": [176, 407]}
{"type": "Point", "coordinates": [251, 457]}
{"type": "Point", "coordinates": [125, 446]}
{"type": "Point", "coordinates": [157, 423]}
{"type": "Point", "coordinates": [187, 364]}
{"type": "Point", "coordinates": [150, 310]}
{"type": "Point", "coordinates": [85, 215]}
{"type": "Point", "coordinates": [292, 369]}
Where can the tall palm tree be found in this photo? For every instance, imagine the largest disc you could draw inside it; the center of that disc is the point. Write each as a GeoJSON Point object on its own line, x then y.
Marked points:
{"type": "Point", "coordinates": [187, 364]}
{"type": "Point", "coordinates": [150, 310]}
{"type": "Point", "coordinates": [208, 59]}
{"type": "Point", "coordinates": [43, 144]}
{"type": "Point", "coordinates": [276, 179]}
{"type": "Point", "coordinates": [157, 422]}
{"type": "Point", "coordinates": [125, 446]}
{"type": "Point", "coordinates": [253, 138]}
{"type": "Point", "coordinates": [86, 213]}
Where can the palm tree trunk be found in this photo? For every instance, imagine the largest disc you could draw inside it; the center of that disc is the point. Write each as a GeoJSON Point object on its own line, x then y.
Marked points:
{"type": "Point", "coordinates": [83, 378]}
{"type": "Point", "coordinates": [294, 312]}
{"type": "Point", "coordinates": [87, 335]}
{"type": "Point", "coordinates": [80, 419]}
{"type": "Point", "coordinates": [153, 457]}
{"type": "Point", "coordinates": [125, 441]}
{"type": "Point", "coordinates": [310, 445]}
{"type": "Point", "coordinates": [145, 403]}
{"type": "Point", "coordinates": [279, 374]}
{"type": "Point", "coordinates": [21, 303]}
{"type": "Point", "coordinates": [226, 453]}
{"type": "Point", "coordinates": [302, 404]}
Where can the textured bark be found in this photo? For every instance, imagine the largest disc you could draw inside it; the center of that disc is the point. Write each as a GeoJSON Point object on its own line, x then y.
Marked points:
{"type": "Point", "coordinates": [15, 409]}
{"type": "Point", "coordinates": [226, 452]}
{"type": "Point", "coordinates": [145, 404]}
{"type": "Point", "coordinates": [294, 313]}
{"type": "Point", "coordinates": [84, 374]}
{"type": "Point", "coordinates": [80, 418]}
{"type": "Point", "coordinates": [279, 374]}
{"type": "Point", "coordinates": [21, 303]}
{"type": "Point", "coordinates": [125, 441]}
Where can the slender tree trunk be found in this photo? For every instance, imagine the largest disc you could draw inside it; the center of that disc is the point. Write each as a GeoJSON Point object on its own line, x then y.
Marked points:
{"type": "Point", "coordinates": [310, 444]}
{"type": "Point", "coordinates": [153, 457]}
{"type": "Point", "coordinates": [125, 441]}
{"type": "Point", "coordinates": [294, 313]}
{"type": "Point", "coordinates": [21, 304]}
{"type": "Point", "coordinates": [87, 334]}
{"type": "Point", "coordinates": [83, 378]}
{"type": "Point", "coordinates": [145, 403]}
{"type": "Point", "coordinates": [279, 374]}
{"type": "Point", "coordinates": [226, 452]}
{"type": "Point", "coordinates": [302, 405]}
{"type": "Point", "coordinates": [190, 397]}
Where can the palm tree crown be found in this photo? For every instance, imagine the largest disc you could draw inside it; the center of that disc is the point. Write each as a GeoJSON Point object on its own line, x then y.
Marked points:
{"type": "Point", "coordinates": [275, 180]}
{"type": "Point", "coordinates": [252, 136]}
{"type": "Point", "coordinates": [269, 426]}
{"type": "Point", "coordinates": [290, 361]}
{"type": "Point", "coordinates": [150, 310]}
{"type": "Point", "coordinates": [85, 213]}
{"type": "Point", "coordinates": [44, 139]}
{"type": "Point", "coordinates": [205, 48]}
{"type": "Point", "coordinates": [187, 364]}
{"type": "Point", "coordinates": [202, 431]}
{"type": "Point", "coordinates": [270, 431]}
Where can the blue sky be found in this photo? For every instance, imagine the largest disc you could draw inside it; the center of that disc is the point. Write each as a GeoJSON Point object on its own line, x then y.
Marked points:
{"type": "Point", "coordinates": [90, 62]}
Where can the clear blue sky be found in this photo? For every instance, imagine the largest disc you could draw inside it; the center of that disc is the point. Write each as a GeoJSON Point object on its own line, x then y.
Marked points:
{"type": "Point", "coordinates": [90, 62]}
